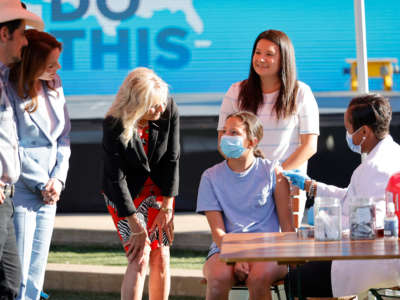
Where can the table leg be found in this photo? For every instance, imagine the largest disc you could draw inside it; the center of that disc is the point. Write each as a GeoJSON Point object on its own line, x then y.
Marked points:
{"type": "Point", "coordinates": [299, 293]}
{"type": "Point", "coordinates": [291, 295]}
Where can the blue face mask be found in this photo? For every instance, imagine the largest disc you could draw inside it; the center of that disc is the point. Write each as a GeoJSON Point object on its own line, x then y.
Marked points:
{"type": "Point", "coordinates": [349, 140]}
{"type": "Point", "coordinates": [232, 146]}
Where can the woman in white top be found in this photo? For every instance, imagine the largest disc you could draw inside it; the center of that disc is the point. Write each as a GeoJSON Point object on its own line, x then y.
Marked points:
{"type": "Point", "coordinates": [367, 122]}
{"type": "Point", "coordinates": [286, 107]}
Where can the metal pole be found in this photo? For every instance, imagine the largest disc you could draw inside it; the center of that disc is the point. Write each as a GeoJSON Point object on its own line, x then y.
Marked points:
{"type": "Point", "coordinates": [362, 64]}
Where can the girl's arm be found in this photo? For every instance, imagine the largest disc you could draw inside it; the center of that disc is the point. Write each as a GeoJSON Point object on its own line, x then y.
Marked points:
{"type": "Point", "coordinates": [217, 226]}
{"type": "Point", "coordinates": [282, 203]}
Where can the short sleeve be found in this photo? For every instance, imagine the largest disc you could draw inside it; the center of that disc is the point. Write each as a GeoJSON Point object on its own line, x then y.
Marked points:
{"type": "Point", "coordinates": [308, 110]}
{"type": "Point", "coordinates": [229, 104]}
{"type": "Point", "coordinates": [206, 198]}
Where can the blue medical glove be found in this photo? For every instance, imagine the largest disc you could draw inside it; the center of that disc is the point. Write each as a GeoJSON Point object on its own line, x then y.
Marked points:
{"type": "Point", "coordinates": [296, 178]}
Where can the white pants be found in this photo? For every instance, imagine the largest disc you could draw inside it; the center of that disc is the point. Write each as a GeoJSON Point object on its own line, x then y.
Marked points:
{"type": "Point", "coordinates": [357, 276]}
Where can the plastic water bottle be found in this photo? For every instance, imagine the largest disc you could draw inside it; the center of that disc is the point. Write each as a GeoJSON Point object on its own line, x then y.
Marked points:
{"type": "Point", "coordinates": [391, 222]}
{"type": "Point", "coordinates": [310, 216]}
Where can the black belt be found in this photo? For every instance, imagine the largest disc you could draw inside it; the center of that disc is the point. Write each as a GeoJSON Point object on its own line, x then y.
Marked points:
{"type": "Point", "coordinates": [8, 190]}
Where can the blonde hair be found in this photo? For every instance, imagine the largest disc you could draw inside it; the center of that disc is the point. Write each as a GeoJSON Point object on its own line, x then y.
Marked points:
{"type": "Point", "coordinates": [254, 128]}
{"type": "Point", "coordinates": [141, 89]}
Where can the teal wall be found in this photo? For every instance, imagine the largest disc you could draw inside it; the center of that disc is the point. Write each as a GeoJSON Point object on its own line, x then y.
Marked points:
{"type": "Point", "coordinates": [204, 46]}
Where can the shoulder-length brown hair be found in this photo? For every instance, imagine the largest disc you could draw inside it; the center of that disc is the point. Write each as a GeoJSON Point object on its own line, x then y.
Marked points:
{"type": "Point", "coordinates": [251, 96]}
{"type": "Point", "coordinates": [26, 73]}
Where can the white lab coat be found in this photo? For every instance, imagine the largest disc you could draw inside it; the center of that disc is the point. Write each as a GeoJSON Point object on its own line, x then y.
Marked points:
{"type": "Point", "coordinates": [368, 180]}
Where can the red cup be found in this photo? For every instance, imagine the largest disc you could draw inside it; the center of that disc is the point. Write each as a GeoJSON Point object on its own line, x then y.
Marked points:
{"type": "Point", "coordinates": [393, 193]}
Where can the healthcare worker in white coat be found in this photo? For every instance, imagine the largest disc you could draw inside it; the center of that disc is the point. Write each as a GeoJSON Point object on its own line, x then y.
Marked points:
{"type": "Point", "coordinates": [367, 120]}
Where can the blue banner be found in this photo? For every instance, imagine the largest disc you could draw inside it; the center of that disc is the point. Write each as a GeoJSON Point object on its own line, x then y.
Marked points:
{"type": "Point", "coordinates": [204, 46]}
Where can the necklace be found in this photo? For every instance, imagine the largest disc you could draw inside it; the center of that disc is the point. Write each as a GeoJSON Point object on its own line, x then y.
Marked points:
{"type": "Point", "coordinates": [142, 123]}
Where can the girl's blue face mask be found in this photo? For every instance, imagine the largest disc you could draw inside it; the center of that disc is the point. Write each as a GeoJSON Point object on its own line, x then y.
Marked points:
{"type": "Point", "coordinates": [352, 146]}
{"type": "Point", "coordinates": [232, 146]}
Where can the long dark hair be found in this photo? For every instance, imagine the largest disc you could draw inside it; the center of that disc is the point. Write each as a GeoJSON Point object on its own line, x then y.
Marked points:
{"type": "Point", "coordinates": [25, 73]}
{"type": "Point", "coordinates": [251, 96]}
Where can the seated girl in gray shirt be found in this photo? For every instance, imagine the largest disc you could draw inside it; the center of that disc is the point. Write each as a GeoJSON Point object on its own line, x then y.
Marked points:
{"type": "Point", "coordinates": [244, 193]}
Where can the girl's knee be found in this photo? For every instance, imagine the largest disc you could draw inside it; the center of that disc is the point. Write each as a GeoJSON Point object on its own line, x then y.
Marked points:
{"type": "Point", "coordinates": [267, 273]}
{"type": "Point", "coordinates": [218, 274]}
{"type": "Point", "coordinates": [219, 278]}
{"type": "Point", "coordinates": [263, 278]}
{"type": "Point", "coordinates": [257, 281]}
{"type": "Point", "coordinates": [219, 285]}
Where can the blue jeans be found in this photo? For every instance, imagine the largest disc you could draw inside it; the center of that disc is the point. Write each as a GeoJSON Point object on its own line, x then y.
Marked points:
{"type": "Point", "coordinates": [9, 261]}
{"type": "Point", "coordinates": [34, 224]}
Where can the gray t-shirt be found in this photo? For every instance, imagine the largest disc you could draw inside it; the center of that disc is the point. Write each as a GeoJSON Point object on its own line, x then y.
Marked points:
{"type": "Point", "coordinates": [10, 167]}
{"type": "Point", "coordinates": [244, 199]}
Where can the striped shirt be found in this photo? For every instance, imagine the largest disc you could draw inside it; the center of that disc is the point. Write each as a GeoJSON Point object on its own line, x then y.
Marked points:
{"type": "Point", "coordinates": [281, 137]}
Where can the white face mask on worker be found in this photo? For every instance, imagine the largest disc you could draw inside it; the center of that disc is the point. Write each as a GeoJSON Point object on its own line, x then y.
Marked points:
{"type": "Point", "coordinates": [350, 143]}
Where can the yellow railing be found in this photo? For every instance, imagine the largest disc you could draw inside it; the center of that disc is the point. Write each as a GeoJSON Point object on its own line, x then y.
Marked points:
{"type": "Point", "coordinates": [377, 68]}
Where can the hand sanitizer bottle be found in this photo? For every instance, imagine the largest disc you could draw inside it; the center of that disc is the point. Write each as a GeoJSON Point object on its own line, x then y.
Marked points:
{"type": "Point", "coordinates": [391, 223]}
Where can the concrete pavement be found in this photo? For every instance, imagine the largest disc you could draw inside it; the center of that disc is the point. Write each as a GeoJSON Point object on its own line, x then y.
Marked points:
{"type": "Point", "coordinates": [94, 278]}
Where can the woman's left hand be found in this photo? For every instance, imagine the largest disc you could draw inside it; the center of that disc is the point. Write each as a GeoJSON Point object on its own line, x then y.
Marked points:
{"type": "Point", "coordinates": [164, 221]}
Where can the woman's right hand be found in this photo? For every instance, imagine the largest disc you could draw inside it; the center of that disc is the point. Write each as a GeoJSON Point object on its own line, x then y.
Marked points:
{"type": "Point", "coordinates": [137, 240]}
{"type": "Point", "coordinates": [137, 243]}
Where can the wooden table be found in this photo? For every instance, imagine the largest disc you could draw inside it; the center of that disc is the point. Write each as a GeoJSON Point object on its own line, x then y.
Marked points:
{"type": "Point", "coordinates": [286, 247]}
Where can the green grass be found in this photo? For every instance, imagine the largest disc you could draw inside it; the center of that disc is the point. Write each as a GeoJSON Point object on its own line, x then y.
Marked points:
{"type": "Point", "coordinates": [180, 259]}
{"type": "Point", "coordinates": [62, 295]}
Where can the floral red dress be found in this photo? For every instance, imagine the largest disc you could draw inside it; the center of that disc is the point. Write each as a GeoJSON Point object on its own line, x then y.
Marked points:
{"type": "Point", "coordinates": [148, 204]}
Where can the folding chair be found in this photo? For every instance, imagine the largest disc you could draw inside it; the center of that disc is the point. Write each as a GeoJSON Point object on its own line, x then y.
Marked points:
{"type": "Point", "coordinates": [240, 292]}
{"type": "Point", "coordinates": [386, 293]}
